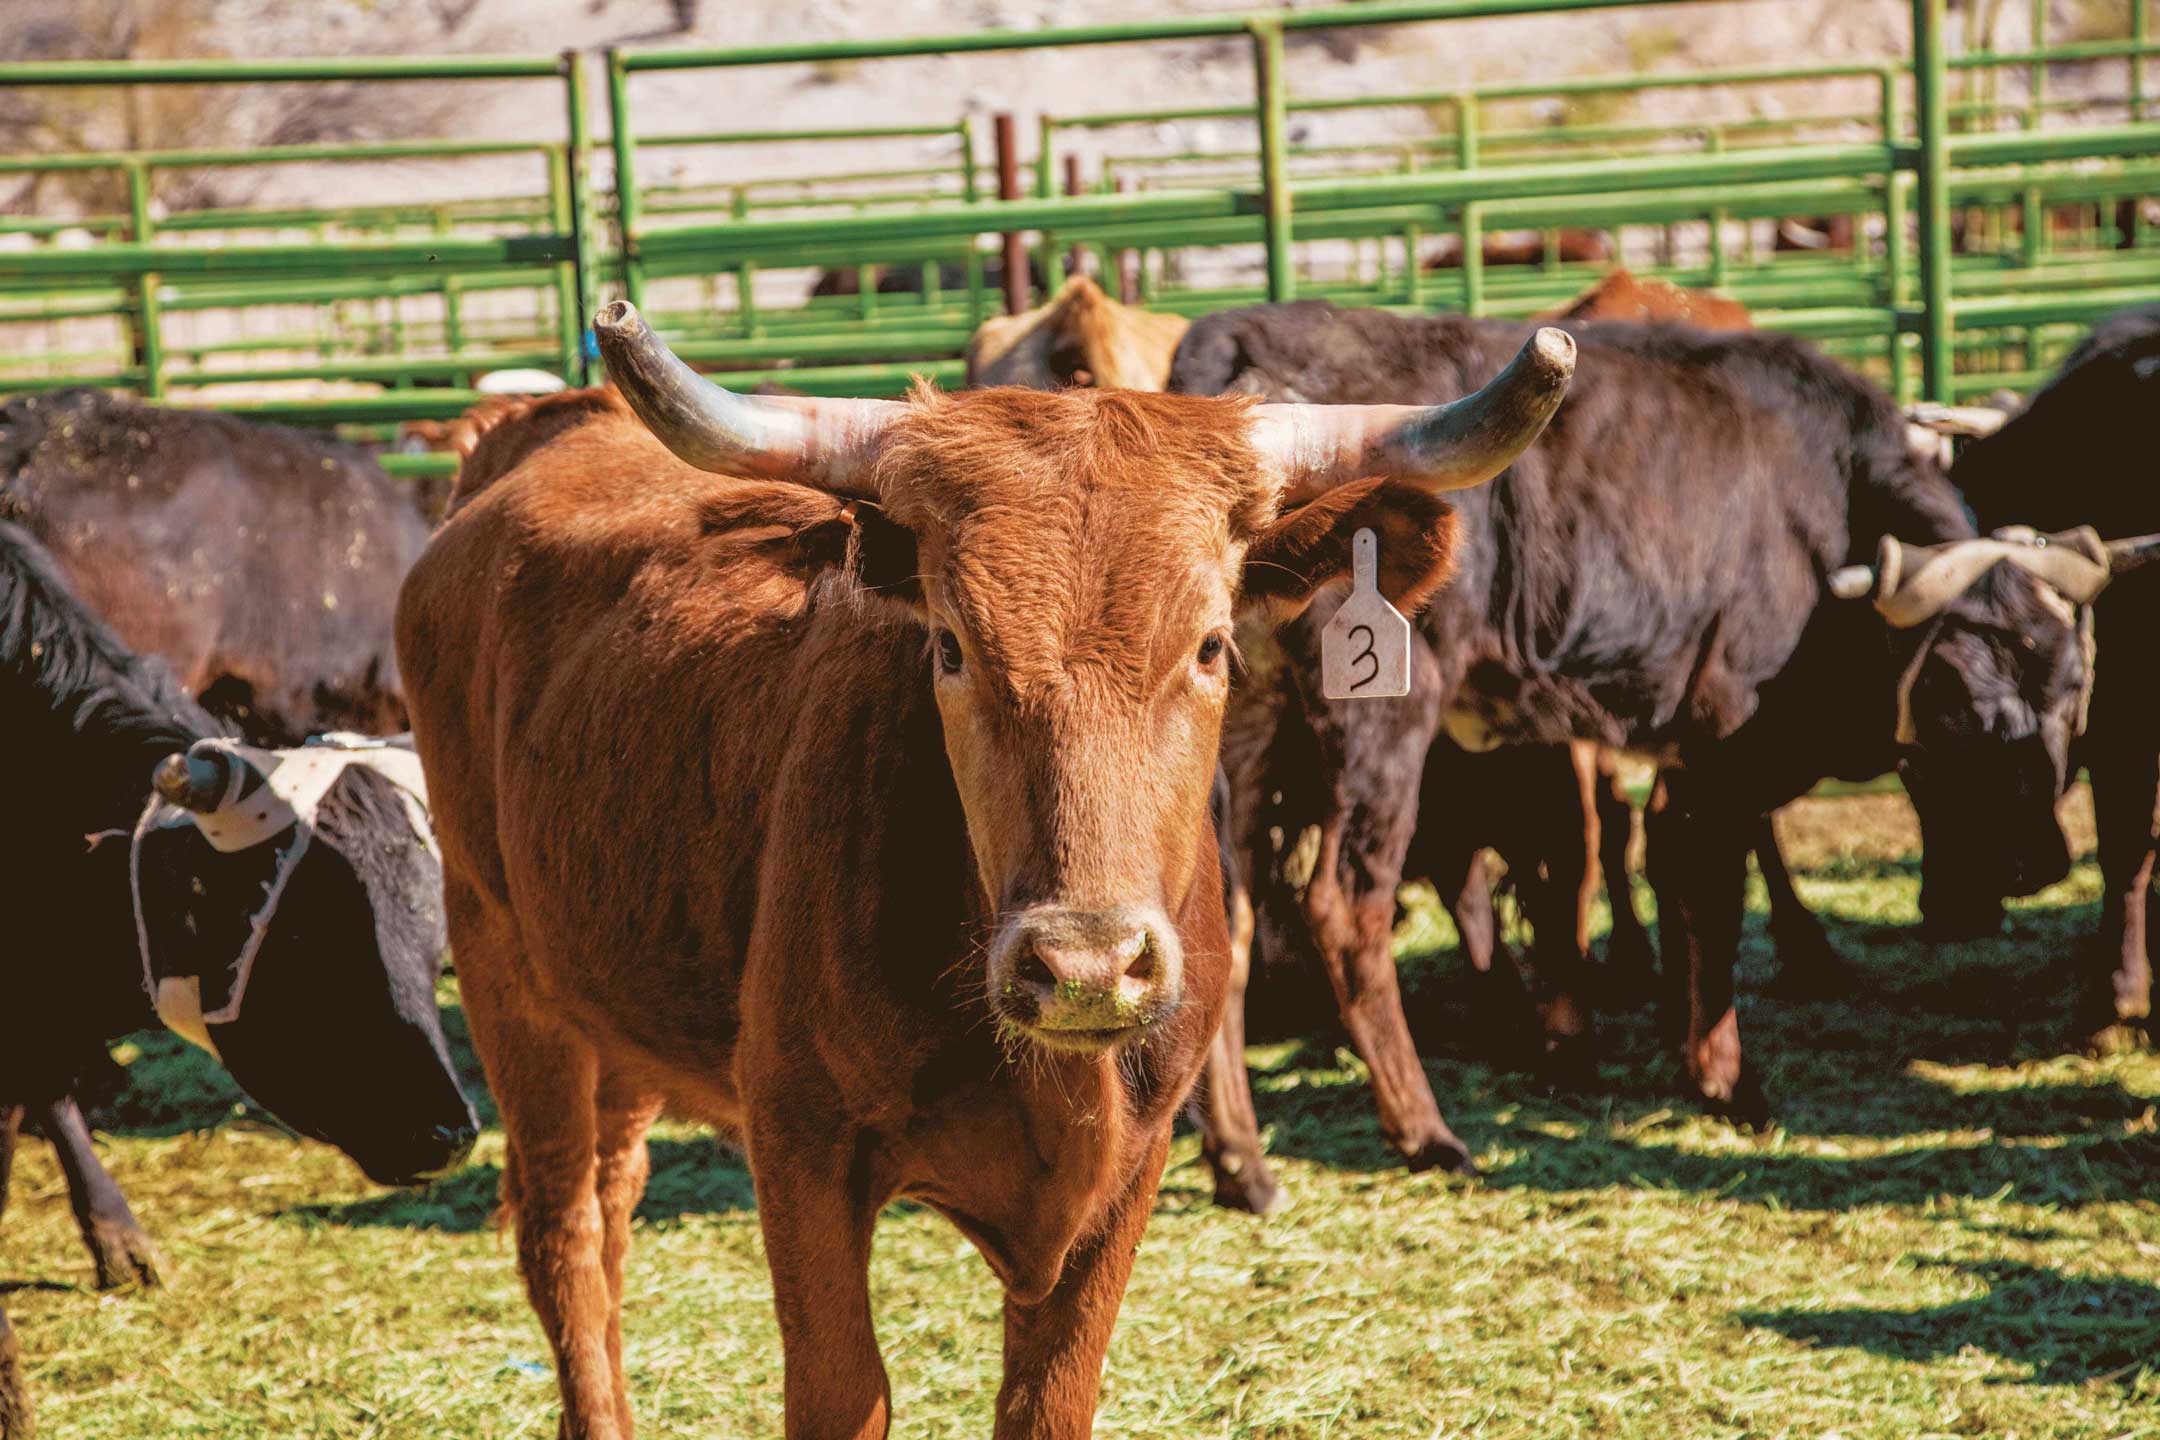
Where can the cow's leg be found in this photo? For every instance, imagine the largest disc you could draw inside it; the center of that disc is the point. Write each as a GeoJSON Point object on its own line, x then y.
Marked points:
{"type": "Point", "coordinates": [1054, 1348]}
{"type": "Point", "coordinates": [15, 1419]}
{"type": "Point", "coordinates": [545, 1080]}
{"type": "Point", "coordinates": [2125, 783]}
{"type": "Point", "coordinates": [1351, 909]}
{"type": "Point", "coordinates": [121, 1251]}
{"type": "Point", "coordinates": [1630, 970]}
{"type": "Point", "coordinates": [622, 1164]}
{"type": "Point", "coordinates": [1700, 851]}
{"type": "Point", "coordinates": [1558, 903]}
{"type": "Point", "coordinates": [1807, 963]}
{"type": "Point", "coordinates": [1500, 1003]}
{"type": "Point", "coordinates": [816, 1219]}
{"type": "Point", "coordinates": [1222, 1106]}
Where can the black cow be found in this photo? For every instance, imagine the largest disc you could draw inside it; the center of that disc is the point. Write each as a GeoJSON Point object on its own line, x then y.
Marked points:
{"type": "Point", "coordinates": [319, 998]}
{"type": "Point", "coordinates": [2082, 453]}
{"type": "Point", "coordinates": [1652, 575]}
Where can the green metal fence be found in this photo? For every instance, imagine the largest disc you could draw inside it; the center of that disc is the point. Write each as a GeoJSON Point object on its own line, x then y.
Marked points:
{"type": "Point", "coordinates": [1953, 176]}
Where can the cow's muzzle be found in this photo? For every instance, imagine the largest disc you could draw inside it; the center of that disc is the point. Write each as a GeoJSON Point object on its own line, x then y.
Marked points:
{"type": "Point", "coordinates": [1085, 980]}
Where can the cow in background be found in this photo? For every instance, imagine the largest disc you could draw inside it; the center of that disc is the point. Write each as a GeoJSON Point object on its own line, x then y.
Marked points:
{"type": "Point", "coordinates": [262, 563]}
{"type": "Point", "coordinates": [1654, 574]}
{"type": "Point", "coordinates": [319, 999]}
{"type": "Point", "coordinates": [1082, 337]}
{"type": "Point", "coordinates": [1522, 247]}
{"type": "Point", "coordinates": [259, 563]}
{"type": "Point", "coordinates": [2081, 453]}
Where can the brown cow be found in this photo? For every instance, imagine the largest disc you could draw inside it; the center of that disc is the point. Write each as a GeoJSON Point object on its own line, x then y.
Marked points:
{"type": "Point", "coordinates": [1522, 247]}
{"type": "Point", "coordinates": [1082, 337]}
{"type": "Point", "coordinates": [859, 806]}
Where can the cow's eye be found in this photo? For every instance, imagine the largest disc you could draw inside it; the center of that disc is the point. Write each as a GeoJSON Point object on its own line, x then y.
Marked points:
{"type": "Point", "coordinates": [1211, 650]}
{"type": "Point", "coordinates": [949, 658]}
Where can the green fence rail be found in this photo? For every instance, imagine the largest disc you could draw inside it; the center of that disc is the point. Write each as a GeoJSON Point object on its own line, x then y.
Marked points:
{"type": "Point", "coordinates": [1987, 228]}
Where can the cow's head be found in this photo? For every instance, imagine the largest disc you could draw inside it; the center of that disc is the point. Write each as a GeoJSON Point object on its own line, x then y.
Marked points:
{"type": "Point", "coordinates": [1076, 562]}
{"type": "Point", "coordinates": [307, 962]}
{"type": "Point", "coordinates": [1995, 679]}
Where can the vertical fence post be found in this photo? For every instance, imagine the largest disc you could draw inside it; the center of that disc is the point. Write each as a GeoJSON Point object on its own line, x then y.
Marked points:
{"type": "Point", "coordinates": [1046, 245]}
{"type": "Point", "coordinates": [149, 328]}
{"type": "Point", "coordinates": [578, 160]}
{"type": "Point", "coordinates": [1128, 260]}
{"type": "Point", "coordinates": [1929, 75]}
{"type": "Point", "coordinates": [971, 193]}
{"type": "Point", "coordinates": [2036, 77]}
{"type": "Point", "coordinates": [1268, 94]}
{"type": "Point", "coordinates": [569, 322]}
{"type": "Point", "coordinates": [1473, 226]}
{"type": "Point", "coordinates": [627, 208]}
{"type": "Point", "coordinates": [1008, 158]}
{"type": "Point", "coordinates": [746, 311]}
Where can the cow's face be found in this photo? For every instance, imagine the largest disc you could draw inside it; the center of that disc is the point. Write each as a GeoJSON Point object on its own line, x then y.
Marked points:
{"type": "Point", "coordinates": [1077, 565]}
{"type": "Point", "coordinates": [334, 1026]}
{"type": "Point", "coordinates": [1994, 705]}
{"type": "Point", "coordinates": [1075, 561]}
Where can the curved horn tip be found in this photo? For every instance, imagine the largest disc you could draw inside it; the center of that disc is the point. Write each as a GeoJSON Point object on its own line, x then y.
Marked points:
{"type": "Point", "coordinates": [1852, 582]}
{"type": "Point", "coordinates": [1556, 348]}
{"type": "Point", "coordinates": [190, 782]}
{"type": "Point", "coordinates": [616, 315]}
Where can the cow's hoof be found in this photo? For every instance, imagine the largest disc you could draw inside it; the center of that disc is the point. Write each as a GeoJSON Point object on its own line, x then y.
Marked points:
{"type": "Point", "coordinates": [2118, 1037]}
{"type": "Point", "coordinates": [1445, 1154]}
{"type": "Point", "coordinates": [1254, 1192]}
{"type": "Point", "coordinates": [1747, 1106]}
{"type": "Point", "coordinates": [123, 1254]}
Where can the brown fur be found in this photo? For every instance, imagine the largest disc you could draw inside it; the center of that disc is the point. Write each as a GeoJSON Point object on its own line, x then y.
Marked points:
{"type": "Point", "coordinates": [1082, 337]}
{"type": "Point", "coordinates": [1624, 296]}
{"type": "Point", "coordinates": [721, 833]}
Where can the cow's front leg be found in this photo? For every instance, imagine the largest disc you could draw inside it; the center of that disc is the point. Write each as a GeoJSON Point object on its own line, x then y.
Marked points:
{"type": "Point", "coordinates": [1701, 856]}
{"type": "Point", "coordinates": [118, 1247]}
{"type": "Point", "coordinates": [1354, 930]}
{"type": "Point", "coordinates": [1807, 963]}
{"type": "Point", "coordinates": [817, 1212]}
{"type": "Point", "coordinates": [1054, 1347]}
{"type": "Point", "coordinates": [2118, 998]}
{"type": "Point", "coordinates": [15, 1419]}
{"type": "Point", "coordinates": [1222, 1106]}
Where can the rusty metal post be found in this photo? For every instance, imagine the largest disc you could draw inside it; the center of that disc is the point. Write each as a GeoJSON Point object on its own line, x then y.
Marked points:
{"type": "Point", "coordinates": [1008, 162]}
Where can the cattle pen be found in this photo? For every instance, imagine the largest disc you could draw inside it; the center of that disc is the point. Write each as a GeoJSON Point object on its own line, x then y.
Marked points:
{"type": "Point", "coordinates": [717, 772]}
{"type": "Point", "coordinates": [1976, 235]}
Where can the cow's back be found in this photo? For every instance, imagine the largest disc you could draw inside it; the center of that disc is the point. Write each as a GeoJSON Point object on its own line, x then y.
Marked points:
{"type": "Point", "coordinates": [262, 562]}
{"type": "Point", "coordinates": [1657, 554]}
{"type": "Point", "coordinates": [627, 667]}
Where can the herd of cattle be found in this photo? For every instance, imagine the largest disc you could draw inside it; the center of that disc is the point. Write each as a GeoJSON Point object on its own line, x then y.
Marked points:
{"type": "Point", "coordinates": [906, 787]}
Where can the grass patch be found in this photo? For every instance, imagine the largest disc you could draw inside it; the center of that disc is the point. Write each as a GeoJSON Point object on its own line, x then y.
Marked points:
{"type": "Point", "coordinates": [1955, 1231]}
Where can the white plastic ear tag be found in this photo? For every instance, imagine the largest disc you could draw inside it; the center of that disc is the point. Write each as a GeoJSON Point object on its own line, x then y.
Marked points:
{"type": "Point", "coordinates": [1365, 649]}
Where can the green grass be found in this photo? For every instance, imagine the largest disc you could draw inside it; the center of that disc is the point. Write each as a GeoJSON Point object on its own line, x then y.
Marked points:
{"type": "Point", "coordinates": [1955, 1232]}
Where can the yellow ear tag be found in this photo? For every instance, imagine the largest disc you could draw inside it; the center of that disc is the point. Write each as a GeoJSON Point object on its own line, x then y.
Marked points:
{"type": "Point", "coordinates": [1365, 649]}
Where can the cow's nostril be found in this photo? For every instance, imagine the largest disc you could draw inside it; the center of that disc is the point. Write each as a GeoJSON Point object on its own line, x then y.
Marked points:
{"type": "Point", "coordinates": [1142, 965]}
{"type": "Point", "coordinates": [1034, 971]}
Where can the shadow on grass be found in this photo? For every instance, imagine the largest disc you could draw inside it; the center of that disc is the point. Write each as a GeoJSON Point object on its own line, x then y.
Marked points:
{"type": "Point", "coordinates": [2068, 1329]}
{"type": "Point", "coordinates": [689, 1177]}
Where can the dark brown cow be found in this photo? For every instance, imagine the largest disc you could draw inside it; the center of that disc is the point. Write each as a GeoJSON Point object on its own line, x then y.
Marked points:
{"type": "Point", "coordinates": [1598, 603]}
{"type": "Point", "coordinates": [2082, 454]}
{"type": "Point", "coordinates": [262, 563]}
{"type": "Point", "coordinates": [859, 806]}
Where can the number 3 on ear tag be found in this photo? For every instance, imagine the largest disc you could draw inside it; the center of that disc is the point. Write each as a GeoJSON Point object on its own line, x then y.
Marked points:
{"type": "Point", "coordinates": [1365, 649]}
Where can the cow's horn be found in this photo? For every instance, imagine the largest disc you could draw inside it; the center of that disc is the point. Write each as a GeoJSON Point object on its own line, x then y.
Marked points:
{"type": "Point", "coordinates": [818, 442]}
{"type": "Point", "coordinates": [1852, 582]}
{"type": "Point", "coordinates": [192, 782]}
{"type": "Point", "coordinates": [1312, 448]}
{"type": "Point", "coordinates": [2131, 553]}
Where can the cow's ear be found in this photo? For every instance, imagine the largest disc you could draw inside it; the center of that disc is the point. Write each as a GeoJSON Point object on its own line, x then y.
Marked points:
{"type": "Point", "coordinates": [1308, 547]}
{"type": "Point", "coordinates": [808, 532]}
